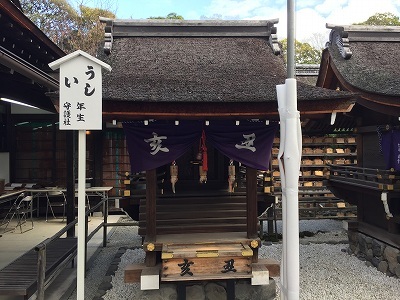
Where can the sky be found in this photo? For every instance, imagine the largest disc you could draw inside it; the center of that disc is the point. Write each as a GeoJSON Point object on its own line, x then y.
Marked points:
{"type": "Point", "coordinates": [311, 15]}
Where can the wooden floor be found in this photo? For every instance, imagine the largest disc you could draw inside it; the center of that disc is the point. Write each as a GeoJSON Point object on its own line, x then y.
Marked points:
{"type": "Point", "coordinates": [19, 277]}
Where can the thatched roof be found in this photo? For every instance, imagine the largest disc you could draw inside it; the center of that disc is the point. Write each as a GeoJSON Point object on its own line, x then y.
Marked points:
{"type": "Point", "coordinates": [183, 62]}
{"type": "Point", "coordinates": [364, 60]}
{"type": "Point", "coordinates": [372, 61]}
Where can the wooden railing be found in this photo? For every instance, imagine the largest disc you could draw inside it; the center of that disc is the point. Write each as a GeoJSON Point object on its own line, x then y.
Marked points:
{"type": "Point", "coordinates": [377, 179]}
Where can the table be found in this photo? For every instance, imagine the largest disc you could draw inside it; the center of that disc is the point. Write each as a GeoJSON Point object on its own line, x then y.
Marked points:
{"type": "Point", "coordinates": [36, 193]}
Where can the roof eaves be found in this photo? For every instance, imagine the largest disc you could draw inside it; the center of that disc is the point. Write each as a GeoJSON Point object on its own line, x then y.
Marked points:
{"type": "Point", "coordinates": [116, 28]}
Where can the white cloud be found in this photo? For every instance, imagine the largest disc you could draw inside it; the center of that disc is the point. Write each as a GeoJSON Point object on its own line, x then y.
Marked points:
{"type": "Point", "coordinates": [311, 15]}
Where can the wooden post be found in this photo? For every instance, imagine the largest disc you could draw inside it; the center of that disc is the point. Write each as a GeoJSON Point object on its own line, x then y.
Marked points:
{"type": "Point", "coordinates": [251, 195]}
{"type": "Point", "coordinates": [151, 232]}
{"type": "Point", "coordinates": [41, 264]}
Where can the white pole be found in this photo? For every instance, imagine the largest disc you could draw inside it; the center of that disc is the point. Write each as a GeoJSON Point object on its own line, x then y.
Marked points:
{"type": "Point", "coordinates": [81, 215]}
{"type": "Point", "coordinates": [281, 96]}
{"type": "Point", "coordinates": [292, 157]}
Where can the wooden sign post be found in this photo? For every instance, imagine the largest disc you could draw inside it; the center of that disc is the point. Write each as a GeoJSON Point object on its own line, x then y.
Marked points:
{"type": "Point", "coordinates": [80, 108]}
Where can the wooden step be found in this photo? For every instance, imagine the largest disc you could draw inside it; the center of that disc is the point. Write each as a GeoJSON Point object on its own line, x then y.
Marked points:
{"type": "Point", "coordinates": [202, 228]}
{"type": "Point", "coordinates": [198, 221]}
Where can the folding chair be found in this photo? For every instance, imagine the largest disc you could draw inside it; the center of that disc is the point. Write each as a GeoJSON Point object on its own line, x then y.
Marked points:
{"type": "Point", "coordinates": [87, 206]}
{"type": "Point", "coordinates": [56, 203]}
{"type": "Point", "coordinates": [22, 206]}
{"type": "Point", "coordinates": [12, 210]}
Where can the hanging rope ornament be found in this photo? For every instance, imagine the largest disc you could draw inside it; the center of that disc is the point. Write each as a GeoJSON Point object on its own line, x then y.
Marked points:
{"type": "Point", "coordinates": [231, 176]}
{"type": "Point", "coordinates": [203, 167]}
{"type": "Point", "coordinates": [174, 175]}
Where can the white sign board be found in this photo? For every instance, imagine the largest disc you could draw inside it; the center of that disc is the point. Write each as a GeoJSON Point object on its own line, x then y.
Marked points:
{"type": "Point", "coordinates": [80, 106]}
{"type": "Point", "coordinates": [80, 95]}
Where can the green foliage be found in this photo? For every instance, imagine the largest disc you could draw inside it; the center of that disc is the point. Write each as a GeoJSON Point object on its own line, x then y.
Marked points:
{"type": "Point", "coordinates": [69, 28]}
{"type": "Point", "coordinates": [382, 19]}
{"type": "Point", "coordinates": [304, 53]}
{"type": "Point", "coordinates": [172, 16]}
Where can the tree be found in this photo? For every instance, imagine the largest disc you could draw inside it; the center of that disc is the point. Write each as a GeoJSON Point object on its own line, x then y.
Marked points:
{"type": "Point", "coordinates": [304, 53]}
{"type": "Point", "coordinates": [69, 28]}
{"type": "Point", "coordinates": [89, 31]}
{"type": "Point", "coordinates": [172, 16]}
{"type": "Point", "coordinates": [382, 19]}
{"type": "Point", "coordinates": [54, 17]}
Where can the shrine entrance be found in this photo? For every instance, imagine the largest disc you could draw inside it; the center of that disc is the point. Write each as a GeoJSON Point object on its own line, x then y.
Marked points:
{"type": "Point", "coordinates": [198, 218]}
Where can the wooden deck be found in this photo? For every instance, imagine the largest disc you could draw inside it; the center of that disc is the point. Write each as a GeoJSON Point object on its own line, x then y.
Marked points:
{"type": "Point", "coordinates": [19, 278]}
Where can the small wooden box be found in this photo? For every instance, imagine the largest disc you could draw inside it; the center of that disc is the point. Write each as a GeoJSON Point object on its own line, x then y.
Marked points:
{"type": "Point", "coordinates": [328, 140]}
{"type": "Point", "coordinates": [318, 161]}
{"type": "Point", "coordinates": [318, 151]}
{"type": "Point", "coordinates": [318, 139]}
{"type": "Point", "coordinates": [307, 162]}
{"type": "Point", "coordinates": [351, 140]}
{"type": "Point", "coordinates": [307, 140]}
{"type": "Point", "coordinates": [307, 150]}
{"type": "Point", "coordinates": [339, 161]}
{"type": "Point", "coordinates": [340, 140]}
{"type": "Point", "coordinates": [318, 173]}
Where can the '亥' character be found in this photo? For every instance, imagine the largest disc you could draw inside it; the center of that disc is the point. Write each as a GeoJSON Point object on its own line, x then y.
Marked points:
{"type": "Point", "coordinates": [155, 144]}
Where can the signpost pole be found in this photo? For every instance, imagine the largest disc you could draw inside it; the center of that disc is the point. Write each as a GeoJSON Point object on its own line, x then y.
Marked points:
{"type": "Point", "coordinates": [81, 214]}
{"type": "Point", "coordinates": [80, 108]}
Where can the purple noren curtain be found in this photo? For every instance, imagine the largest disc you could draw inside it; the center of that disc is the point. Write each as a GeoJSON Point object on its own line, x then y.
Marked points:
{"type": "Point", "coordinates": [391, 149]}
{"type": "Point", "coordinates": [158, 143]}
{"type": "Point", "coordinates": [161, 142]}
{"type": "Point", "coordinates": [250, 142]}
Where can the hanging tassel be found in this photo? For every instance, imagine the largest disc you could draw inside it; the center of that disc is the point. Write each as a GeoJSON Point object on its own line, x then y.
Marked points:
{"type": "Point", "coordinates": [231, 176]}
{"type": "Point", "coordinates": [174, 175]}
{"type": "Point", "coordinates": [203, 168]}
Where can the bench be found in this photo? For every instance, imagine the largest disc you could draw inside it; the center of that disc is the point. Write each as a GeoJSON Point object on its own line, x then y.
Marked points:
{"type": "Point", "coordinates": [19, 278]}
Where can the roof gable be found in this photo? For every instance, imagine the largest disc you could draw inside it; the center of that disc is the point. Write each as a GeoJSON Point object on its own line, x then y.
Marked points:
{"type": "Point", "coordinates": [367, 57]}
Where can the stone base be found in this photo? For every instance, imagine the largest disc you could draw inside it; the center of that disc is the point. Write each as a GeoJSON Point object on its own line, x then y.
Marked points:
{"type": "Point", "coordinates": [214, 290]}
{"type": "Point", "coordinates": [375, 253]}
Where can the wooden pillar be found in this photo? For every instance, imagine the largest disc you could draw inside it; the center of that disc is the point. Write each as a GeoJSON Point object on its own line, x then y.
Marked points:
{"type": "Point", "coordinates": [98, 157]}
{"type": "Point", "coordinates": [151, 232]}
{"type": "Point", "coordinates": [251, 196]}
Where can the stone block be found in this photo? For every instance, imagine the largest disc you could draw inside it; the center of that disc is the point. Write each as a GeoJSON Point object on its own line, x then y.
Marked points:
{"type": "Point", "coordinates": [377, 248]}
{"type": "Point", "coordinates": [383, 267]}
{"type": "Point", "coordinates": [214, 291]}
{"type": "Point", "coordinates": [260, 275]}
{"type": "Point", "coordinates": [150, 279]}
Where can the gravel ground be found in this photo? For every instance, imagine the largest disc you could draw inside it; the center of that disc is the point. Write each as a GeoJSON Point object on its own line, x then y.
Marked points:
{"type": "Point", "coordinates": [326, 270]}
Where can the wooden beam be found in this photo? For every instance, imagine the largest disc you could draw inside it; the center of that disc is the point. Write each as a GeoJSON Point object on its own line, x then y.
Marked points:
{"type": "Point", "coordinates": [251, 195]}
